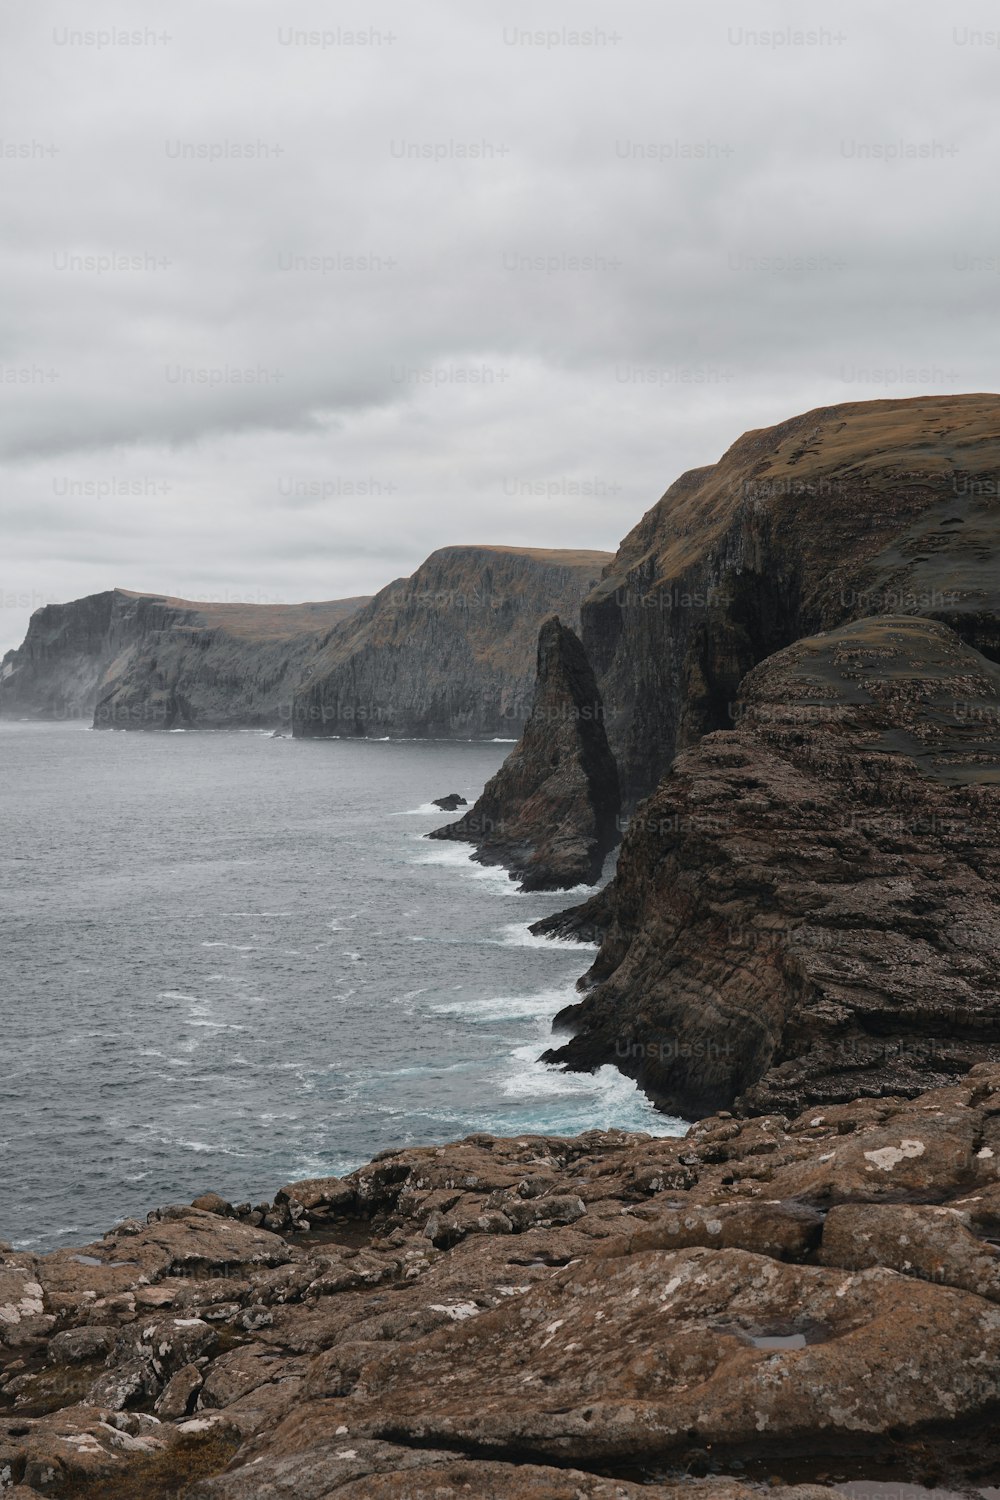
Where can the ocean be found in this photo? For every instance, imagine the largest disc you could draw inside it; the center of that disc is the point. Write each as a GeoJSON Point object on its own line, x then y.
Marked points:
{"type": "Point", "coordinates": [231, 960]}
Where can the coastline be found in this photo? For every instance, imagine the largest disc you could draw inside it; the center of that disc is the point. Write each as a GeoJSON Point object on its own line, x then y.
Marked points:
{"type": "Point", "coordinates": [833, 1291]}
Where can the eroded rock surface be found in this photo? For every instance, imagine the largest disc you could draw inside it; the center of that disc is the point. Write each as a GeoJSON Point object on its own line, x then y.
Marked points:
{"type": "Point", "coordinates": [550, 814]}
{"type": "Point", "coordinates": [809, 1298]}
{"type": "Point", "coordinates": [807, 909]}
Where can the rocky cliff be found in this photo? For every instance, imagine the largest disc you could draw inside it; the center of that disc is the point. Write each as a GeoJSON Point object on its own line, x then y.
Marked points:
{"type": "Point", "coordinates": [561, 780]}
{"type": "Point", "coordinates": [147, 661]}
{"type": "Point", "coordinates": [859, 509]}
{"type": "Point", "coordinates": [449, 651]}
{"type": "Point", "coordinates": [789, 1301]}
{"type": "Point", "coordinates": [808, 907]}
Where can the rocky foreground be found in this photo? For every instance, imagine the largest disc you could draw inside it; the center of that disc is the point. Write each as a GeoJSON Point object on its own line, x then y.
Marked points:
{"type": "Point", "coordinates": [800, 1300]}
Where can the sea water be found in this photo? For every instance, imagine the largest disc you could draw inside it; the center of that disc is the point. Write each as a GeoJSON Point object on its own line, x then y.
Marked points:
{"type": "Point", "coordinates": [232, 960]}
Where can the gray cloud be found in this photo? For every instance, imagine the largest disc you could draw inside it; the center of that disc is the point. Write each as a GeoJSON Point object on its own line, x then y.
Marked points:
{"type": "Point", "coordinates": [297, 293]}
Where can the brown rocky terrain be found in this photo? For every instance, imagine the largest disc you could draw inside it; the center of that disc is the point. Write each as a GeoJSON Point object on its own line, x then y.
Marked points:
{"type": "Point", "coordinates": [805, 1300]}
{"type": "Point", "coordinates": [561, 780]}
{"type": "Point", "coordinates": [807, 907]}
{"type": "Point", "coordinates": [148, 661]}
{"type": "Point", "coordinates": [449, 651]}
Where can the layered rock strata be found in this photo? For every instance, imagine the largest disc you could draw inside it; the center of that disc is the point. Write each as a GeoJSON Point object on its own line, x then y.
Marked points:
{"type": "Point", "coordinates": [805, 1299]}
{"type": "Point", "coordinates": [807, 908]}
{"type": "Point", "coordinates": [449, 651]}
{"type": "Point", "coordinates": [550, 814]}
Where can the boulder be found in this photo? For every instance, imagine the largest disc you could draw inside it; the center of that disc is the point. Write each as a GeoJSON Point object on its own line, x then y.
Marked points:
{"type": "Point", "coordinates": [327, 1194]}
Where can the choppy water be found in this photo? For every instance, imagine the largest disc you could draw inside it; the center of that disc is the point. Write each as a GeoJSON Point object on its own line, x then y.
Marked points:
{"type": "Point", "coordinates": [230, 960]}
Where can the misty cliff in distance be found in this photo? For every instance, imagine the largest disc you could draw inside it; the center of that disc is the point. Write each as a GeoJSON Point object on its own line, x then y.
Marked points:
{"type": "Point", "coordinates": [148, 661]}
{"type": "Point", "coordinates": [449, 651]}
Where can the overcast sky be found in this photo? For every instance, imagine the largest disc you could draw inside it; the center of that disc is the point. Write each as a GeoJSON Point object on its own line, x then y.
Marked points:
{"type": "Point", "coordinates": [296, 293]}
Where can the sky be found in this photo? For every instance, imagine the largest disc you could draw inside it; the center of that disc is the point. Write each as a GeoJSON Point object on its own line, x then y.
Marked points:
{"type": "Point", "coordinates": [298, 292]}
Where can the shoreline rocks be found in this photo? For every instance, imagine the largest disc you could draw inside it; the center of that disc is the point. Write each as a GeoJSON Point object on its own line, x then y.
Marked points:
{"type": "Point", "coordinates": [799, 1299]}
{"type": "Point", "coordinates": [451, 803]}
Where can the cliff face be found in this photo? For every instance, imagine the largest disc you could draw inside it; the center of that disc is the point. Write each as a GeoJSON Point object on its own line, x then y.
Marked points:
{"type": "Point", "coordinates": [55, 671]}
{"type": "Point", "coordinates": [550, 813]}
{"type": "Point", "coordinates": [146, 661]}
{"type": "Point", "coordinates": [808, 907]}
{"type": "Point", "coordinates": [860, 509]}
{"type": "Point", "coordinates": [449, 651]}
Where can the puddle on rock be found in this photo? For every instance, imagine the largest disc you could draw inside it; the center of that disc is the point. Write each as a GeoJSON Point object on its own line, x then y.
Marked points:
{"type": "Point", "coordinates": [879, 1489]}
{"type": "Point", "coordinates": [777, 1337]}
{"type": "Point", "coordinates": [778, 1340]}
{"type": "Point", "coordinates": [109, 1265]}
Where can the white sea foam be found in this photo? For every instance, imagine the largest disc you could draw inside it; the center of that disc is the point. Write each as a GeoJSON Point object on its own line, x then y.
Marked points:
{"type": "Point", "coordinates": [556, 1101]}
{"type": "Point", "coordinates": [568, 1102]}
{"type": "Point", "coordinates": [517, 935]}
{"type": "Point", "coordinates": [236, 947]}
{"type": "Point", "coordinates": [425, 810]}
{"type": "Point", "coordinates": [540, 1006]}
{"type": "Point", "coordinates": [459, 857]}
{"type": "Point", "coordinates": [203, 1148]}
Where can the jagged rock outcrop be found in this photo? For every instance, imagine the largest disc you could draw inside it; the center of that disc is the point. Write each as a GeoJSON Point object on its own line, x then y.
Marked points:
{"type": "Point", "coordinates": [147, 661]}
{"type": "Point", "coordinates": [550, 814]}
{"type": "Point", "coordinates": [449, 651]}
{"type": "Point", "coordinates": [808, 907]}
{"type": "Point", "coordinates": [800, 1300]}
{"type": "Point", "coordinates": [864, 508]}
{"type": "Point", "coordinates": [451, 802]}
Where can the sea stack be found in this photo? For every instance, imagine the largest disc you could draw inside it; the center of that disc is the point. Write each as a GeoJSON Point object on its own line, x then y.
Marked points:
{"type": "Point", "coordinates": [551, 812]}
